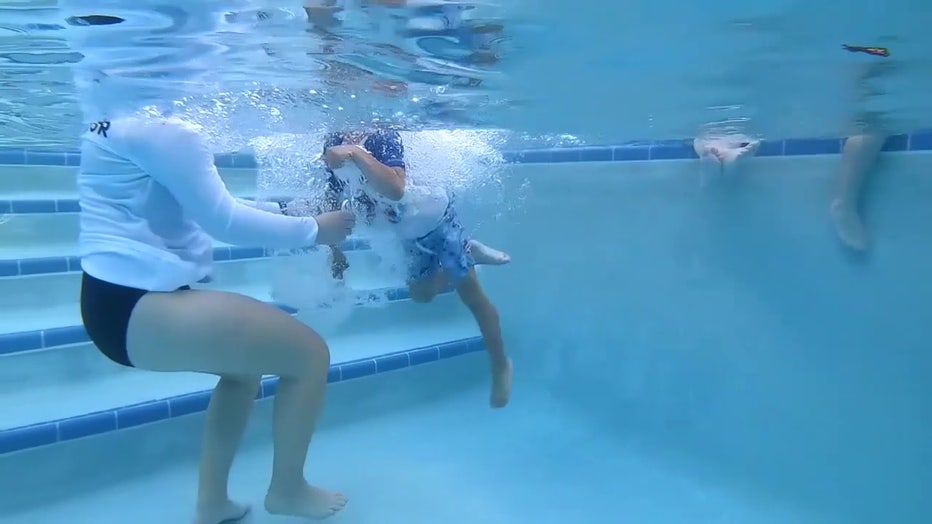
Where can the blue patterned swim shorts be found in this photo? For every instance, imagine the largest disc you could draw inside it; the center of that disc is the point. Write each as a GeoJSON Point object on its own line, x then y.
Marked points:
{"type": "Point", "coordinates": [446, 248]}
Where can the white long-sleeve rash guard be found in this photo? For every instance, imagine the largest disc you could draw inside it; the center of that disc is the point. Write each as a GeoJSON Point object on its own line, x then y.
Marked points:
{"type": "Point", "coordinates": [151, 199]}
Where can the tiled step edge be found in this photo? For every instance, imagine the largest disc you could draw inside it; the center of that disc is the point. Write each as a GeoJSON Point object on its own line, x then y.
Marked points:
{"type": "Point", "coordinates": [677, 149]}
{"type": "Point", "coordinates": [22, 341]}
{"type": "Point", "coordinates": [30, 206]}
{"type": "Point", "coordinates": [20, 267]}
{"type": "Point", "coordinates": [55, 431]}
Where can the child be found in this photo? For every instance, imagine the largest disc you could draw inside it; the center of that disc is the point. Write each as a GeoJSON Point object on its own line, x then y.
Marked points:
{"type": "Point", "coordinates": [369, 171]}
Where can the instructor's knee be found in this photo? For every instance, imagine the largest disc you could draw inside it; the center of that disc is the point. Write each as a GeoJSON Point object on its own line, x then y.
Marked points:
{"type": "Point", "coordinates": [314, 358]}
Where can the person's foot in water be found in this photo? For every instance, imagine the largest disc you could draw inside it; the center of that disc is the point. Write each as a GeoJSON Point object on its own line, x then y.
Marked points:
{"type": "Point", "coordinates": [484, 255]}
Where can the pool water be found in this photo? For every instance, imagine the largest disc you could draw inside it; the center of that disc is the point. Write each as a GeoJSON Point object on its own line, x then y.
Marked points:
{"type": "Point", "coordinates": [449, 458]}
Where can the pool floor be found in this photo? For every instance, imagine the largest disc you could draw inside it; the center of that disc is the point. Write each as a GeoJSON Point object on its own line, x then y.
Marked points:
{"type": "Point", "coordinates": [452, 462]}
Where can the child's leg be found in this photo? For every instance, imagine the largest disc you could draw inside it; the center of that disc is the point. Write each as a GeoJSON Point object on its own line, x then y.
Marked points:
{"type": "Point", "coordinates": [425, 279]}
{"type": "Point", "coordinates": [486, 315]}
{"type": "Point", "coordinates": [427, 288]}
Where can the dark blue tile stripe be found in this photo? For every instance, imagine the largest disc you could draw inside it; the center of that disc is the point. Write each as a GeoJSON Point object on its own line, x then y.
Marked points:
{"type": "Point", "coordinates": [53, 205]}
{"type": "Point", "coordinates": [63, 336]}
{"type": "Point", "coordinates": [51, 432]}
{"type": "Point", "coordinates": [678, 149]}
{"type": "Point", "coordinates": [45, 265]}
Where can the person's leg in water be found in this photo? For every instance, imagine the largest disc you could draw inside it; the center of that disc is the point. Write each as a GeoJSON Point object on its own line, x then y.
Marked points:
{"type": "Point", "coordinates": [859, 157]}
{"type": "Point", "coordinates": [239, 339]}
{"type": "Point", "coordinates": [484, 255]}
{"type": "Point", "coordinates": [430, 273]}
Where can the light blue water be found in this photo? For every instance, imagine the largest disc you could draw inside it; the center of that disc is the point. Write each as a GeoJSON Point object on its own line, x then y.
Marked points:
{"type": "Point", "coordinates": [725, 325]}
{"type": "Point", "coordinates": [684, 353]}
{"type": "Point", "coordinates": [445, 458]}
{"type": "Point", "coordinates": [606, 73]}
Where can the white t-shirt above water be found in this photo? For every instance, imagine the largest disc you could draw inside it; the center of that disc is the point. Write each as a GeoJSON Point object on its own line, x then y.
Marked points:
{"type": "Point", "coordinates": [419, 211]}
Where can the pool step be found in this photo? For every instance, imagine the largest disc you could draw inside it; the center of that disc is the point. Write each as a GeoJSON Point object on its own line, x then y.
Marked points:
{"type": "Point", "coordinates": [45, 182]}
{"type": "Point", "coordinates": [81, 410]}
{"type": "Point", "coordinates": [40, 227]}
{"type": "Point", "coordinates": [400, 327]}
{"type": "Point", "coordinates": [47, 300]}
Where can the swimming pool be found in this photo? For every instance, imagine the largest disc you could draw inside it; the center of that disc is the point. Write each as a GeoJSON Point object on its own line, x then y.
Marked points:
{"type": "Point", "coordinates": [687, 350]}
{"type": "Point", "coordinates": [709, 355]}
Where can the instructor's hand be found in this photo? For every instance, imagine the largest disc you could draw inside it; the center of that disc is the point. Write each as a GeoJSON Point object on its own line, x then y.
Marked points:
{"type": "Point", "coordinates": [334, 227]}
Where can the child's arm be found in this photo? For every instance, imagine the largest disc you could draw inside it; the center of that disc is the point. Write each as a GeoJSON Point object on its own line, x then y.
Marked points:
{"type": "Point", "coordinates": [387, 180]}
{"type": "Point", "coordinates": [381, 161]}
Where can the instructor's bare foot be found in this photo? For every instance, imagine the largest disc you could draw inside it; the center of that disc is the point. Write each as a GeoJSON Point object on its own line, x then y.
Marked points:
{"type": "Point", "coordinates": [483, 255]}
{"type": "Point", "coordinates": [304, 501]}
{"type": "Point", "coordinates": [225, 512]}
{"type": "Point", "coordinates": [501, 385]}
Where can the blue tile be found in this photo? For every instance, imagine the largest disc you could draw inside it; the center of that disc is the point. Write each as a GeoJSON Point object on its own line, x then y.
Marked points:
{"type": "Point", "coordinates": [334, 375]}
{"type": "Point", "coordinates": [896, 143]}
{"type": "Point", "coordinates": [9, 268]}
{"type": "Point", "coordinates": [26, 437]}
{"type": "Point", "coordinates": [244, 161]}
{"type": "Point", "coordinates": [73, 158]}
{"type": "Point", "coordinates": [811, 146]}
{"type": "Point", "coordinates": [140, 414]}
{"type": "Point", "coordinates": [269, 387]}
{"type": "Point", "coordinates": [460, 347]}
{"type": "Point", "coordinates": [920, 141]}
{"type": "Point", "coordinates": [630, 153]}
{"type": "Point", "coordinates": [33, 206]}
{"type": "Point", "coordinates": [67, 206]}
{"type": "Point", "coordinates": [86, 425]}
{"type": "Point", "coordinates": [224, 160]}
{"type": "Point", "coordinates": [74, 263]}
{"type": "Point", "coordinates": [6, 206]}
{"type": "Point", "coordinates": [190, 403]}
{"type": "Point", "coordinates": [11, 156]}
{"type": "Point", "coordinates": [62, 336]}
{"type": "Point", "coordinates": [511, 157]}
{"type": "Point", "coordinates": [595, 154]}
{"type": "Point", "coordinates": [222, 253]}
{"type": "Point", "coordinates": [23, 341]}
{"type": "Point", "coordinates": [45, 158]}
{"type": "Point", "coordinates": [672, 150]}
{"type": "Point", "coordinates": [44, 265]}
{"type": "Point", "coordinates": [423, 355]}
{"type": "Point", "coordinates": [565, 154]}
{"type": "Point", "coordinates": [391, 362]}
{"type": "Point", "coordinates": [400, 293]}
{"type": "Point", "coordinates": [286, 308]}
{"type": "Point", "coordinates": [770, 148]}
{"type": "Point", "coordinates": [534, 156]}
{"type": "Point", "coordinates": [362, 368]}
{"type": "Point", "coordinates": [242, 253]}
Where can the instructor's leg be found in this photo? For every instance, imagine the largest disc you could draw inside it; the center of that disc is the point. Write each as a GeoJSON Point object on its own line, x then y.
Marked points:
{"type": "Point", "coordinates": [240, 338]}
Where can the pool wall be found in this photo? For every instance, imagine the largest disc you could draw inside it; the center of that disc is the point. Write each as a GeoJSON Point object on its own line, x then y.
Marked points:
{"type": "Point", "coordinates": [724, 325]}
{"type": "Point", "coordinates": [720, 324]}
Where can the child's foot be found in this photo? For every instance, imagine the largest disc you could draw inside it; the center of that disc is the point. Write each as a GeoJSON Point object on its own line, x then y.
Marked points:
{"type": "Point", "coordinates": [501, 385]}
{"type": "Point", "coordinates": [305, 501]}
{"type": "Point", "coordinates": [484, 255]}
{"type": "Point", "coordinates": [225, 512]}
{"type": "Point", "coordinates": [849, 227]}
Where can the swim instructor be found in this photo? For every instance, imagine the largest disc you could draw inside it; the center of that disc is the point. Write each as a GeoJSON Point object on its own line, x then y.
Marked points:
{"type": "Point", "coordinates": [152, 202]}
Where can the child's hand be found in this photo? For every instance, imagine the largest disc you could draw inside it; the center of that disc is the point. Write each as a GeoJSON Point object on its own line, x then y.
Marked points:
{"type": "Point", "coordinates": [336, 156]}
